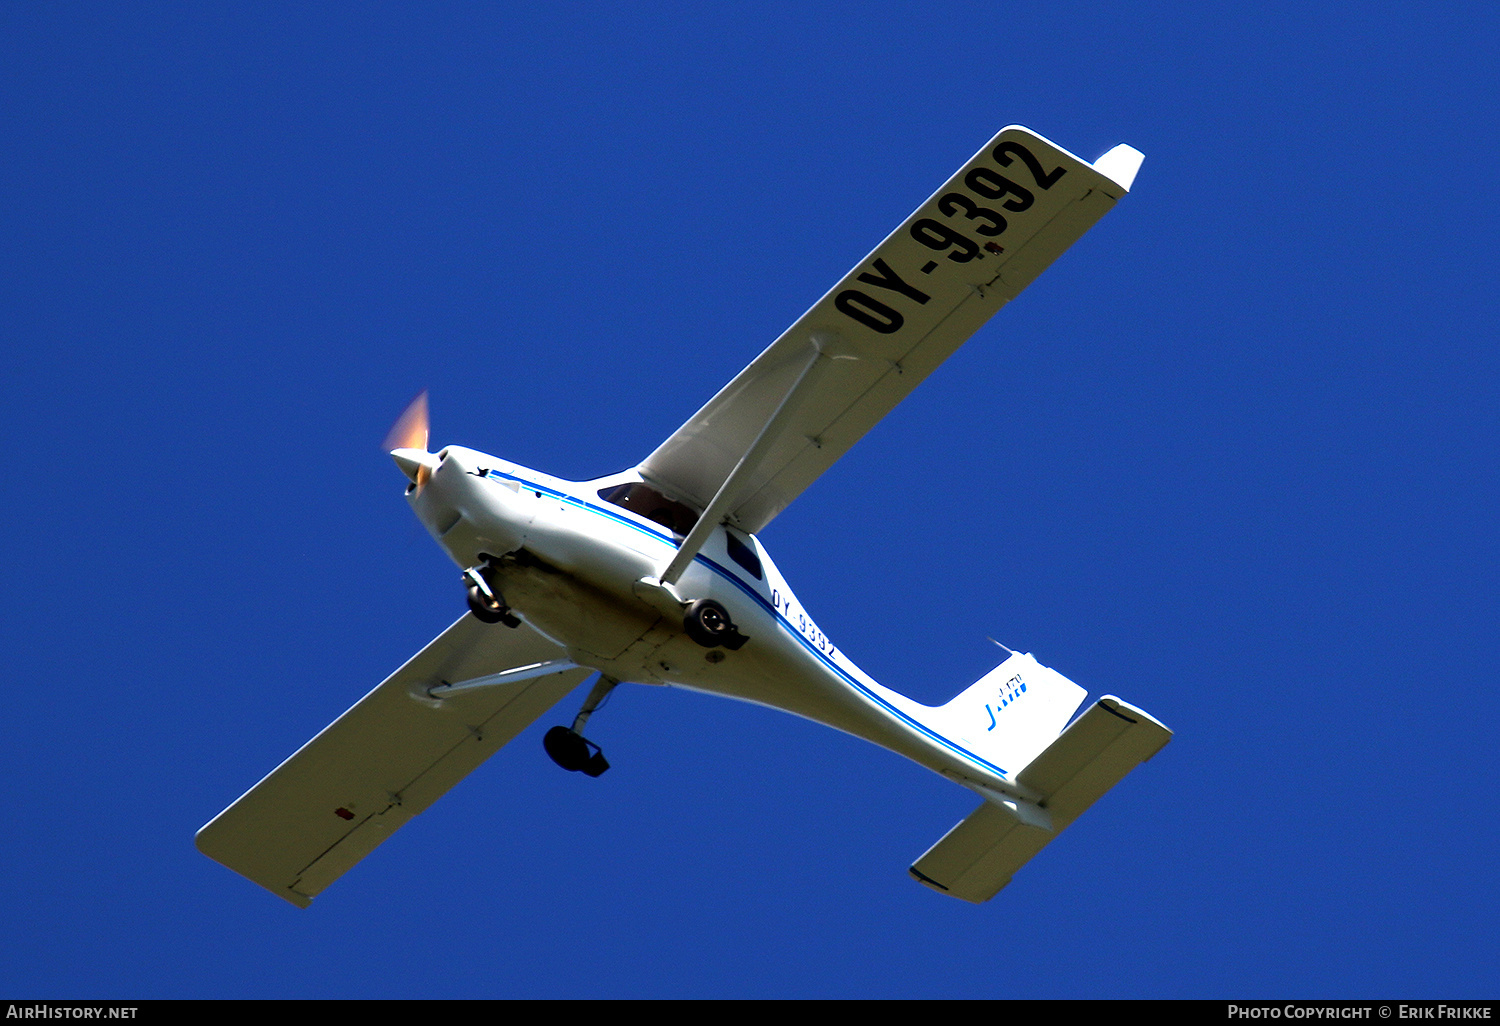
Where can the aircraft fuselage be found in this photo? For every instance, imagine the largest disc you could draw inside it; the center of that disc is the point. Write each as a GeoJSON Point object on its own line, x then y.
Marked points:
{"type": "Point", "coordinates": [569, 563]}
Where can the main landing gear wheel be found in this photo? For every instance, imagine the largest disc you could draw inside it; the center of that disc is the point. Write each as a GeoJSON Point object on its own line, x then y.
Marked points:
{"type": "Point", "coordinates": [708, 623]}
{"type": "Point", "coordinates": [490, 610]}
{"type": "Point", "coordinates": [485, 602]}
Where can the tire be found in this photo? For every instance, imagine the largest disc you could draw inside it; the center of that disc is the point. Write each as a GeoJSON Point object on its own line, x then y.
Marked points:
{"type": "Point", "coordinates": [486, 609]}
{"type": "Point", "coordinates": [567, 749]}
{"type": "Point", "coordinates": [708, 623]}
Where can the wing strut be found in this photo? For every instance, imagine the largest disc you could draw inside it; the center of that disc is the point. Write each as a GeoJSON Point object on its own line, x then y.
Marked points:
{"type": "Point", "coordinates": [981, 238]}
{"type": "Point", "coordinates": [729, 490]}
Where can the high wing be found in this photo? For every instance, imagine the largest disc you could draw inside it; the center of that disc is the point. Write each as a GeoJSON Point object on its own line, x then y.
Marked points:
{"type": "Point", "coordinates": [389, 757]}
{"type": "Point", "coordinates": [966, 252]}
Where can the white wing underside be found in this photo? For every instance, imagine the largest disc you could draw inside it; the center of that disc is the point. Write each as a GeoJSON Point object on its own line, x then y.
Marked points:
{"type": "Point", "coordinates": [388, 758]}
{"type": "Point", "coordinates": [877, 361]}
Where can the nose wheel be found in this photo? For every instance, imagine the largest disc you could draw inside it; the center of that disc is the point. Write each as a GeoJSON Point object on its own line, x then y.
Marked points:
{"type": "Point", "coordinates": [572, 751]}
{"type": "Point", "coordinates": [484, 601]}
{"type": "Point", "coordinates": [569, 748]}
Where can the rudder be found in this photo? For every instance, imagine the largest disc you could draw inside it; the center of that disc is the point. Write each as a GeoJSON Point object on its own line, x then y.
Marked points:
{"type": "Point", "coordinates": [1011, 714]}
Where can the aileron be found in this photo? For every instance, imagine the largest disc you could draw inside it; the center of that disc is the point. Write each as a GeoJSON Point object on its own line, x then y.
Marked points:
{"type": "Point", "coordinates": [904, 309]}
{"type": "Point", "coordinates": [386, 759]}
{"type": "Point", "coordinates": [654, 575]}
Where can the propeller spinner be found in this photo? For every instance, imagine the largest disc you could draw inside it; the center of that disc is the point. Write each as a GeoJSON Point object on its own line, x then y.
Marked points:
{"type": "Point", "coordinates": [407, 443]}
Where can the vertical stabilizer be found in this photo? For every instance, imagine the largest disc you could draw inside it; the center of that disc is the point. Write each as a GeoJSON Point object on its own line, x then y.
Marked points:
{"type": "Point", "coordinates": [1008, 716]}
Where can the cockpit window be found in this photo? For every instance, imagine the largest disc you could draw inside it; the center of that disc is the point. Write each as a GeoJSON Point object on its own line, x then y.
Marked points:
{"type": "Point", "coordinates": [744, 555]}
{"type": "Point", "coordinates": [645, 501]}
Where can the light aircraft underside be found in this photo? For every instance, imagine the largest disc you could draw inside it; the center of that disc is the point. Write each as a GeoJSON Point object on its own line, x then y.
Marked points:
{"type": "Point", "coordinates": [655, 575]}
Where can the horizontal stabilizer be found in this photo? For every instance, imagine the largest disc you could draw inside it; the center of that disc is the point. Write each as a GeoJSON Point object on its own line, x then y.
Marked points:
{"type": "Point", "coordinates": [979, 856]}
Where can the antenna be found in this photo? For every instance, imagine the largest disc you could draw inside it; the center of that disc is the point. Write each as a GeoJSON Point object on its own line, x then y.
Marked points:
{"type": "Point", "coordinates": [993, 641]}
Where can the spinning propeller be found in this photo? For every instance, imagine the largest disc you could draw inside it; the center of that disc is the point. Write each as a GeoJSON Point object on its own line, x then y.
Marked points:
{"type": "Point", "coordinates": [407, 443]}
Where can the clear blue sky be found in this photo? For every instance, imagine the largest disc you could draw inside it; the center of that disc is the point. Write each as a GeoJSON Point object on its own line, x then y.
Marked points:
{"type": "Point", "coordinates": [1232, 458]}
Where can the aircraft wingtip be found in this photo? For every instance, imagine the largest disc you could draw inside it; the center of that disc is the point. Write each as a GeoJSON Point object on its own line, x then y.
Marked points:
{"type": "Point", "coordinates": [1120, 165]}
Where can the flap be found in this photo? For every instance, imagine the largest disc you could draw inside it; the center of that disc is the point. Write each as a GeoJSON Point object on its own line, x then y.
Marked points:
{"type": "Point", "coordinates": [386, 759]}
{"type": "Point", "coordinates": [904, 309]}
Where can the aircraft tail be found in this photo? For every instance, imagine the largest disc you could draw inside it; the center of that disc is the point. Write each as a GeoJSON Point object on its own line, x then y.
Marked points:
{"type": "Point", "coordinates": [1014, 717]}
{"type": "Point", "coordinates": [1008, 716]}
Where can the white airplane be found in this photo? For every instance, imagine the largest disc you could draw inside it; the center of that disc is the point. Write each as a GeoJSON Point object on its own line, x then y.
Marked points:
{"type": "Point", "coordinates": [655, 576]}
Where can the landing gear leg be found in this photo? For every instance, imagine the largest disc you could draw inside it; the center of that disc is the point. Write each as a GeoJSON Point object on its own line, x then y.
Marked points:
{"type": "Point", "coordinates": [569, 748]}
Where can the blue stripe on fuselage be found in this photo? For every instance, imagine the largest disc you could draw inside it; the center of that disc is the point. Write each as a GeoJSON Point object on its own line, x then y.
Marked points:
{"type": "Point", "coordinates": [750, 591]}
